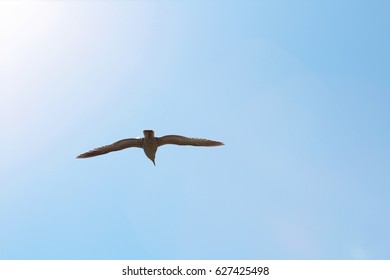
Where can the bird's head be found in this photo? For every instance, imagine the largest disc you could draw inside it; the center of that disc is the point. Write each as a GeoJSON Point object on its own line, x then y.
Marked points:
{"type": "Point", "coordinates": [149, 133]}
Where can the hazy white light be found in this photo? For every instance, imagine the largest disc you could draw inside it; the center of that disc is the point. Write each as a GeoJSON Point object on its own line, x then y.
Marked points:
{"type": "Point", "coordinates": [23, 27]}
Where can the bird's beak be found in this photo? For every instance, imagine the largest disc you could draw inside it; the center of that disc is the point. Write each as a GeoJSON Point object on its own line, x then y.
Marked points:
{"type": "Point", "coordinates": [154, 163]}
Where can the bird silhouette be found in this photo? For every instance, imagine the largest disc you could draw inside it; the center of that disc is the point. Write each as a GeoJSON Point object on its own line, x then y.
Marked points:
{"type": "Point", "coordinates": [149, 144]}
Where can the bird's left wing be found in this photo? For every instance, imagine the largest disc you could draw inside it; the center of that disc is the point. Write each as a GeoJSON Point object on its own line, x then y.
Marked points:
{"type": "Point", "coordinates": [119, 145]}
{"type": "Point", "coordinates": [181, 140]}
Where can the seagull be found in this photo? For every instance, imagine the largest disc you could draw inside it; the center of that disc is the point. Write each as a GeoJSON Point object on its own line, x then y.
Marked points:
{"type": "Point", "coordinates": [150, 143]}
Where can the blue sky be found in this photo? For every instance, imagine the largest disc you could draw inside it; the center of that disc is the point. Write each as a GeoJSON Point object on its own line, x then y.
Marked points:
{"type": "Point", "coordinates": [299, 91]}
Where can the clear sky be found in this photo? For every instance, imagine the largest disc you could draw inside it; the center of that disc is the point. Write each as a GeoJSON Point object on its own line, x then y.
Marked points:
{"type": "Point", "coordinates": [299, 92]}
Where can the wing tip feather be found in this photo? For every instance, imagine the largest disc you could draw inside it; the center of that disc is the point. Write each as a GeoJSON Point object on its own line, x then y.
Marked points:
{"type": "Point", "coordinates": [219, 143]}
{"type": "Point", "coordinates": [82, 156]}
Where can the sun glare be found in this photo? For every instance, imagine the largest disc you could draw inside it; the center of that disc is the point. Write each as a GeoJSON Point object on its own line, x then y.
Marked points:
{"type": "Point", "coordinates": [14, 15]}
{"type": "Point", "coordinates": [21, 21]}
{"type": "Point", "coordinates": [23, 26]}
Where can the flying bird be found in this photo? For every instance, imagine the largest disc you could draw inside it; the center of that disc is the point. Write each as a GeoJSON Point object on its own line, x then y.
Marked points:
{"type": "Point", "coordinates": [150, 143]}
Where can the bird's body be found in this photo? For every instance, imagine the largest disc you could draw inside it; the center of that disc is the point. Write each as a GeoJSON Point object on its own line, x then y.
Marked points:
{"type": "Point", "coordinates": [150, 144]}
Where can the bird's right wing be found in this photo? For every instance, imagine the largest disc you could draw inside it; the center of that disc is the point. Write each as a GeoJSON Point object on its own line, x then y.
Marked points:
{"type": "Point", "coordinates": [181, 140]}
{"type": "Point", "coordinates": [119, 145]}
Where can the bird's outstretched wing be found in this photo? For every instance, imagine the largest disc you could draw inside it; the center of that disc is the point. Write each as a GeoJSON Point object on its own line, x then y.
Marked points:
{"type": "Point", "coordinates": [181, 140]}
{"type": "Point", "coordinates": [119, 145]}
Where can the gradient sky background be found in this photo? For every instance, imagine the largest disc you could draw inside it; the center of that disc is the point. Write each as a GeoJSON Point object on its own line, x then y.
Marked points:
{"type": "Point", "coordinates": [299, 91]}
